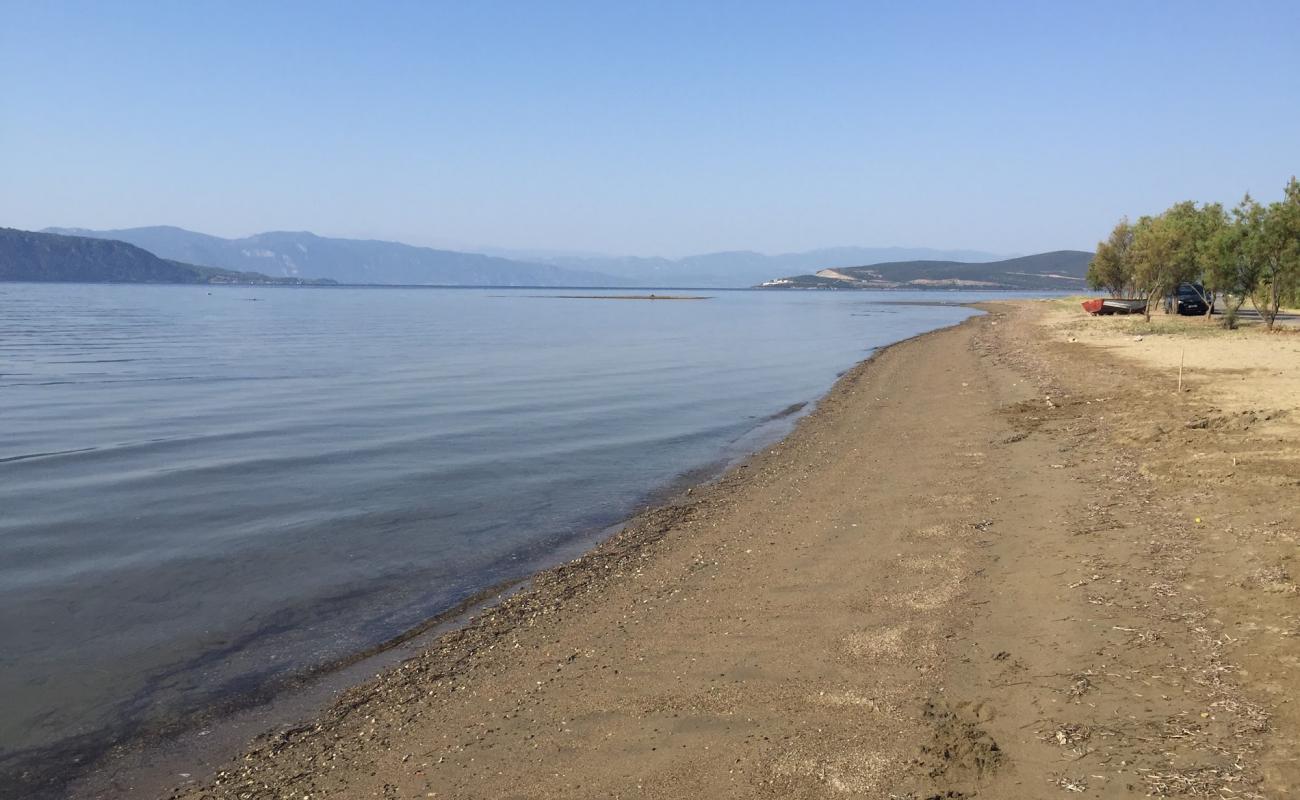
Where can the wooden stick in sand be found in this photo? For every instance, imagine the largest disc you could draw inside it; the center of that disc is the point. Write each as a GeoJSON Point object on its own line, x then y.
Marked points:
{"type": "Point", "coordinates": [1182, 356]}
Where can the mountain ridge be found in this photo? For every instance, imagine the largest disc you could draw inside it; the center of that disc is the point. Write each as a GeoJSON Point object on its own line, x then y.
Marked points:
{"type": "Point", "coordinates": [356, 261]}
{"type": "Point", "coordinates": [39, 256]}
{"type": "Point", "coordinates": [747, 267]}
{"type": "Point", "coordinates": [302, 253]}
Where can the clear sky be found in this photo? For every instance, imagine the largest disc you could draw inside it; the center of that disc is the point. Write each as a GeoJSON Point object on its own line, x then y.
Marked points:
{"type": "Point", "coordinates": [644, 128]}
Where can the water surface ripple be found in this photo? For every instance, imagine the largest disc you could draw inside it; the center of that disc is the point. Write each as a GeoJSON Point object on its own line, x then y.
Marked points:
{"type": "Point", "coordinates": [203, 490]}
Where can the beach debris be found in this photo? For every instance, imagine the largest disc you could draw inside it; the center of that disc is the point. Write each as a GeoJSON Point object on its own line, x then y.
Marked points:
{"type": "Point", "coordinates": [1274, 579]}
{"type": "Point", "coordinates": [1197, 782]}
{"type": "Point", "coordinates": [1073, 784]}
{"type": "Point", "coordinates": [1080, 685]}
{"type": "Point", "coordinates": [1072, 735]}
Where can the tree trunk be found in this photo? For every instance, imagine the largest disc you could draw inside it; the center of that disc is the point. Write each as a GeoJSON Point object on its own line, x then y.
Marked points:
{"type": "Point", "coordinates": [1230, 311]}
{"type": "Point", "coordinates": [1271, 305]}
{"type": "Point", "coordinates": [1151, 300]}
{"type": "Point", "coordinates": [1207, 297]}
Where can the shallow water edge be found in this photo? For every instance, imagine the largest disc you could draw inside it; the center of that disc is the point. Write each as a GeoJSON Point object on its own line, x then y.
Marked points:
{"type": "Point", "coordinates": [153, 766]}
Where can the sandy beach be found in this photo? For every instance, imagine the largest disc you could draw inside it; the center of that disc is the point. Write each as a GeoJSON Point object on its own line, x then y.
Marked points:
{"type": "Point", "coordinates": [1007, 559]}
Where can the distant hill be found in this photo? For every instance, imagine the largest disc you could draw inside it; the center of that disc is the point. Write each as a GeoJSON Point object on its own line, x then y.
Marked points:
{"type": "Point", "coordinates": [33, 256]}
{"type": "Point", "coordinates": [369, 261]}
{"type": "Point", "coordinates": [365, 261]}
{"type": "Point", "coordinates": [746, 268]}
{"type": "Point", "coordinates": [1058, 270]}
{"type": "Point", "coordinates": [373, 261]}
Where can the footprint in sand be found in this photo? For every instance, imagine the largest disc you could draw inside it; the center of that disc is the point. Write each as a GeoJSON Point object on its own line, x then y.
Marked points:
{"type": "Point", "coordinates": [862, 773]}
{"type": "Point", "coordinates": [941, 579]}
{"type": "Point", "coordinates": [891, 643]}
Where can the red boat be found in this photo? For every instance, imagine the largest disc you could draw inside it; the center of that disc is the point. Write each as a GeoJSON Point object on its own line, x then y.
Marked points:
{"type": "Point", "coordinates": [1115, 305]}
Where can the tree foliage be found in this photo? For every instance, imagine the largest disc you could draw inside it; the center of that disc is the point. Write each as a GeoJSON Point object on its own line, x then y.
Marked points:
{"type": "Point", "coordinates": [1111, 267]}
{"type": "Point", "coordinates": [1277, 245]}
{"type": "Point", "coordinates": [1233, 267]}
{"type": "Point", "coordinates": [1252, 252]}
{"type": "Point", "coordinates": [1157, 253]}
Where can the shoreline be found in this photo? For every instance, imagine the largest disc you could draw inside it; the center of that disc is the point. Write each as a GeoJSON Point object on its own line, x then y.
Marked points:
{"type": "Point", "coordinates": [969, 571]}
{"type": "Point", "coordinates": [153, 761]}
{"type": "Point", "coordinates": [551, 591]}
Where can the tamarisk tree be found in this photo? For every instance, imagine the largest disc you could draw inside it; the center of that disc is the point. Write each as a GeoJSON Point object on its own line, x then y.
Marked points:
{"type": "Point", "coordinates": [1171, 248]}
{"type": "Point", "coordinates": [1253, 252]}
{"type": "Point", "coordinates": [1111, 267]}
{"type": "Point", "coordinates": [1277, 246]}
{"type": "Point", "coordinates": [1234, 267]}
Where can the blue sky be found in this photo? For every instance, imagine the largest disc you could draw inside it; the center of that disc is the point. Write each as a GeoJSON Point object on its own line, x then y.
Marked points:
{"type": "Point", "coordinates": [644, 128]}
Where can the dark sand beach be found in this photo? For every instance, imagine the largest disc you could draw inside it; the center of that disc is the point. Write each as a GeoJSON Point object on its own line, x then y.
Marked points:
{"type": "Point", "coordinates": [997, 560]}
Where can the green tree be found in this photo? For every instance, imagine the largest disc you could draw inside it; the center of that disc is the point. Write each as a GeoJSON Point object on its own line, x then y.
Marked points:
{"type": "Point", "coordinates": [1233, 257]}
{"type": "Point", "coordinates": [1112, 268]}
{"type": "Point", "coordinates": [1291, 203]}
{"type": "Point", "coordinates": [1277, 246]}
{"type": "Point", "coordinates": [1172, 248]}
{"type": "Point", "coordinates": [1153, 253]}
{"type": "Point", "coordinates": [1207, 227]}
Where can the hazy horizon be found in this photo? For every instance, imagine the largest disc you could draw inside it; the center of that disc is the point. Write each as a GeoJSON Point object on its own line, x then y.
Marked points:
{"type": "Point", "coordinates": [670, 130]}
{"type": "Point", "coordinates": [523, 254]}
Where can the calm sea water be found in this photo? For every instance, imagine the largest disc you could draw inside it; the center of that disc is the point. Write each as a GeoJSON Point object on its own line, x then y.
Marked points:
{"type": "Point", "coordinates": [205, 490]}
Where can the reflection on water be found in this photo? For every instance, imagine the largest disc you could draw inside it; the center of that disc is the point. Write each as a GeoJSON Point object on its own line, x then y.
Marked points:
{"type": "Point", "coordinates": [206, 489]}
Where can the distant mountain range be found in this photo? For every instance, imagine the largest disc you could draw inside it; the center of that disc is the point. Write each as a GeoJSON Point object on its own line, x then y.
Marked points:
{"type": "Point", "coordinates": [372, 261]}
{"type": "Point", "coordinates": [362, 261]}
{"type": "Point", "coordinates": [48, 257]}
{"type": "Point", "coordinates": [169, 254]}
{"type": "Point", "coordinates": [744, 267]}
{"type": "Point", "coordinates": [1060, 269]}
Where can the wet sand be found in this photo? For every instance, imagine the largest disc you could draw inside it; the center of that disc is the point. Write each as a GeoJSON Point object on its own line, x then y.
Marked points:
{"type": "Point", "coordinates": [975, 569]}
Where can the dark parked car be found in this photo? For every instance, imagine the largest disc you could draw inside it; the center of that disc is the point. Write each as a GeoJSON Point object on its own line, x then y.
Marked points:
{"type": "Point", "coordinates": [1189, 298]}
